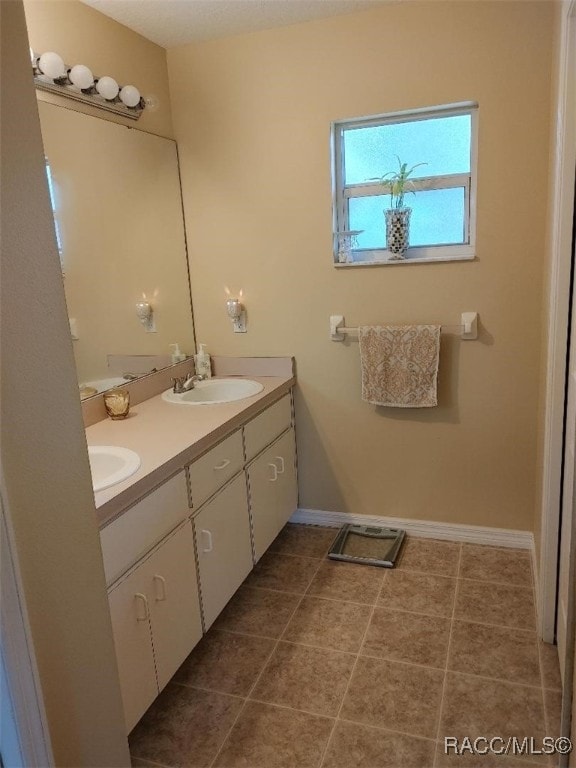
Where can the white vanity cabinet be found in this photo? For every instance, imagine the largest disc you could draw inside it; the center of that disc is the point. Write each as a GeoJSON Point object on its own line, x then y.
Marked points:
{"type": "Point", "coordinates": [273, 490]}
{"type": "Point", "coordinates": [233, 528]}
{"type": "Point", "coordinates": [175, 558]}
{"type": "Point", "coordinates": [223, 547]}
{"type": "Point", "coordinates": [155, 620]}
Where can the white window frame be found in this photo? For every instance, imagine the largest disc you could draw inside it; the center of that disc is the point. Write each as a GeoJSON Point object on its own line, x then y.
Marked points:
{"type": "Point", "coordinates": [341, 193]}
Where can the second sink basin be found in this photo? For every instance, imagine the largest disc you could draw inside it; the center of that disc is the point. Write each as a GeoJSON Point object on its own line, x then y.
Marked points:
{"type": "Point", "coordinates": [214, 391]}
{"type": "Point", "coordinates": [110, 464]}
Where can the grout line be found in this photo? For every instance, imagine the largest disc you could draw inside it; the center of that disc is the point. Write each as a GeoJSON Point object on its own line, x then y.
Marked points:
{"type": "Point", "coordinates": [277, 591]}
{"type": "Point", "coordinates": [381, 606]}
{"type": "Point", "coordinates": [149, 762]}
{"type": "Point", "coordinates": [382, 729]}
{"type": "Point", "coordinates": [392, 660]}
{"type": "Point", "coordinates": [313, 596]}
{"type": "Point", "coordinates": [497, 583]}
{"type": "Point", "coordinates": [317, 647]}
{"type": "Point", "coordinates": [253, 700]}
{"type": "Point", "coordinates": [462, 578]}
{"type": "Point", "coordinates": [443, 693]}
{"type": "Point", "coordinates": [364, 635]}
{"type": "Point", "coordinates": [264, 667]}
{"type": "Point", "coordinates": [494, 679]}
{"type": "Point", "coordinates": [338, 600]}
{"type": "Point", "coordinates": [243, 634]}
{"type": "Point", "coordinates": [418, 572]}
{"type": "Point", "coordinates": [294, 554]}
{"type": "Point", "coordinates": [533, 686]}
{"type": "Point", "coordinates": [466, 620]}
{"type": "Point", "coordinates": [385, 607]}
{"type": "Point", "coordinates": [209, 690]}
{"type": "Point", "coordinates": [285, 707]}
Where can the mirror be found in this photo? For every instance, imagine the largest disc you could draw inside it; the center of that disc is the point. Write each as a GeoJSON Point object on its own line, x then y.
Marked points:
{"type": "Point", "coordinates": [118, 215]}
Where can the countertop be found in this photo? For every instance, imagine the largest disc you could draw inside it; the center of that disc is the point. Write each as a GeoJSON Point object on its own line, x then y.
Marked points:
{"type": "Point", "coordinates": [168, 436]}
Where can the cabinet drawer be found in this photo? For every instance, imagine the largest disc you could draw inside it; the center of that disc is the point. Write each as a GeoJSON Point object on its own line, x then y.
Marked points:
{"type": "Point", "coordinates": [263, 429]}
{"type": "Point", "coordinates": [211, 471]}
{"type": "Point", "coordinates": [136, 531]}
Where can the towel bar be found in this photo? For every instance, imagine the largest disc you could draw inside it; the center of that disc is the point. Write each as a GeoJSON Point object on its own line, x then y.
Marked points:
{"type": "Point", "coordinates": [467, 328]}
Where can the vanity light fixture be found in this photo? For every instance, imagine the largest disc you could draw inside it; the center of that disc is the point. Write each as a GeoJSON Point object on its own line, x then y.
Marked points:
{"type": "Point", "coordinates": [236, 311]}
{"type": "Point", "coordinates": [53, 75]}
{"type": "Point", "coordinates": [145, 314]}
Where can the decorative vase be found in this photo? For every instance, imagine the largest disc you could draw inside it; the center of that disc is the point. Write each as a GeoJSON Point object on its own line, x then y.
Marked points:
{"type": "Point", "coordinates": [398, 231]}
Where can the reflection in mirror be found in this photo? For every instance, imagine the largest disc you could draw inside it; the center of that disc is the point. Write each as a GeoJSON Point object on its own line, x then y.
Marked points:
{"type": "Point", "coordinates": [118, 212]}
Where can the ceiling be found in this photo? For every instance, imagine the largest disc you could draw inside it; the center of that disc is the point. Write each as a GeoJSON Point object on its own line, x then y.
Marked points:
{"type": "Point", "coordinates": [178, 22]}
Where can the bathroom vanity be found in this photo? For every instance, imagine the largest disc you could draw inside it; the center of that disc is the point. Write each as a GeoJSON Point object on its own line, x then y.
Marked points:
{"type": "Point", "coordinates": [216, 485]}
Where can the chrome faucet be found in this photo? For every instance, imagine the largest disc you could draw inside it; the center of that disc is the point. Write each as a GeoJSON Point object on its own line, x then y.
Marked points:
{"type": "Point", "coordinates": [185, 383]}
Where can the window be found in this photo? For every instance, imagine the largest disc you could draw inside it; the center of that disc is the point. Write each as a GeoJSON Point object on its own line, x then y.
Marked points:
{"type": "Point", "coordinates": [55, 209]}
{"type": "Point", "coordinates": [443, 199]}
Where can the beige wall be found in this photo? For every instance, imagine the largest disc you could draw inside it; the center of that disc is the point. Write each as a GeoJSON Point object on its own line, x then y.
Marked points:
{"type": "Point", "coordinates": [252, 115]}
{"type": "Point", "coordinates": [46, 486]}
{"type": "Point", "coordinates": [82, 35]}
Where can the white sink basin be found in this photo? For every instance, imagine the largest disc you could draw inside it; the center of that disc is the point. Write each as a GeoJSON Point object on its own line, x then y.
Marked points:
{"type": "Point", "coordinates": [111, 464]}
{"type": "Point", "coordinates": [214, 391]}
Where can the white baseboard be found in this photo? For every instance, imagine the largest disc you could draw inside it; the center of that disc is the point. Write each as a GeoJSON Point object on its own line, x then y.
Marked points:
{"type": "Point", "coordinates": [473, 534]}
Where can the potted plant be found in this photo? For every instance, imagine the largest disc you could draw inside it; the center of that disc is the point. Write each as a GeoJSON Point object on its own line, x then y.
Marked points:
{"type": "Point", "coordinates": [398, 215]}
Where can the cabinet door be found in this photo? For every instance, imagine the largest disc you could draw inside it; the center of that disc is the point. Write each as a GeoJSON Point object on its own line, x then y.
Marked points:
{"type": "Point", "coordinates": [273, 494]}
{"type": "Point", "coordinates": [172, 590]}
{"type": "Point", "coordinates": [284, 456]}
{"type": "Point", "coordinates": [129, 609]}
{"type": "Point", "coordinates": [223, 547]}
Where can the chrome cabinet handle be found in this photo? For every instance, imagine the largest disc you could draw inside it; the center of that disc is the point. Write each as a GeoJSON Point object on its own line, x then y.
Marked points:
{"type": "Point", "coordinates": [143, 601]}
{"type": "Point", "coordinates": [274, 471]}
{"type": "Point", "coordinates": [208, 536]}
{"type": "Point", "coordinates": [160, 580]}
{"type": "Point", "coordinates": [281, 460]}
{"type": "Point", "coordinates": [223, 465]}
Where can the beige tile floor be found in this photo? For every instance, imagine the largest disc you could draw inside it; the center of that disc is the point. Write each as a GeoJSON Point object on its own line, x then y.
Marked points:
{"type": "Point", "coordinates": [321, 664]}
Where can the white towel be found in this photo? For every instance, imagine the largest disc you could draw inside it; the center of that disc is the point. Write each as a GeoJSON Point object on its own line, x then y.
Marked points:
{"type": "Point", "coordinates": [400, 365]}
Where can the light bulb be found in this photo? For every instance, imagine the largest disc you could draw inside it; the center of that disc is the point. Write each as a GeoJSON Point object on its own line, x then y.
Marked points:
{"type": "Point", "coordinates": [52, 65]}
{"type": "Point", "coordinates": [107, 87]}
{"type": "Point", "coordinates": [130, 96]}
{"type": "Point", "coordinates": [81, 77]}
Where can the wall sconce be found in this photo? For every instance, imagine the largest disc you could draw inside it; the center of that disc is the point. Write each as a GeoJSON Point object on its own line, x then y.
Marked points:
{"type": "Point", "coordinates": [145, 314]}
{"type": "Point", "coordinates": [236, 312]}
{"type": "Point", "coordinates": [53, 75]}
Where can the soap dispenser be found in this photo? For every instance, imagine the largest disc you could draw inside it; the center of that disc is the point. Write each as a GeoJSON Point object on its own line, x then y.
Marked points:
{"type": "Point", "coordinates": [177, 356]}
{"type": "Point", "coordinates": [202, 362]}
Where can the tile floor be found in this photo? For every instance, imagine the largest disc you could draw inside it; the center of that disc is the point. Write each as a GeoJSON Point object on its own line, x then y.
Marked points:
{"type": "Point", "coordinates": [321, 664]}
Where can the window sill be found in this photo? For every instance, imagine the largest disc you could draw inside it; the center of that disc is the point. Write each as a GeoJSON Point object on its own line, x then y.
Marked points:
{"type": "Point", "coordinates": [414, 256]}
